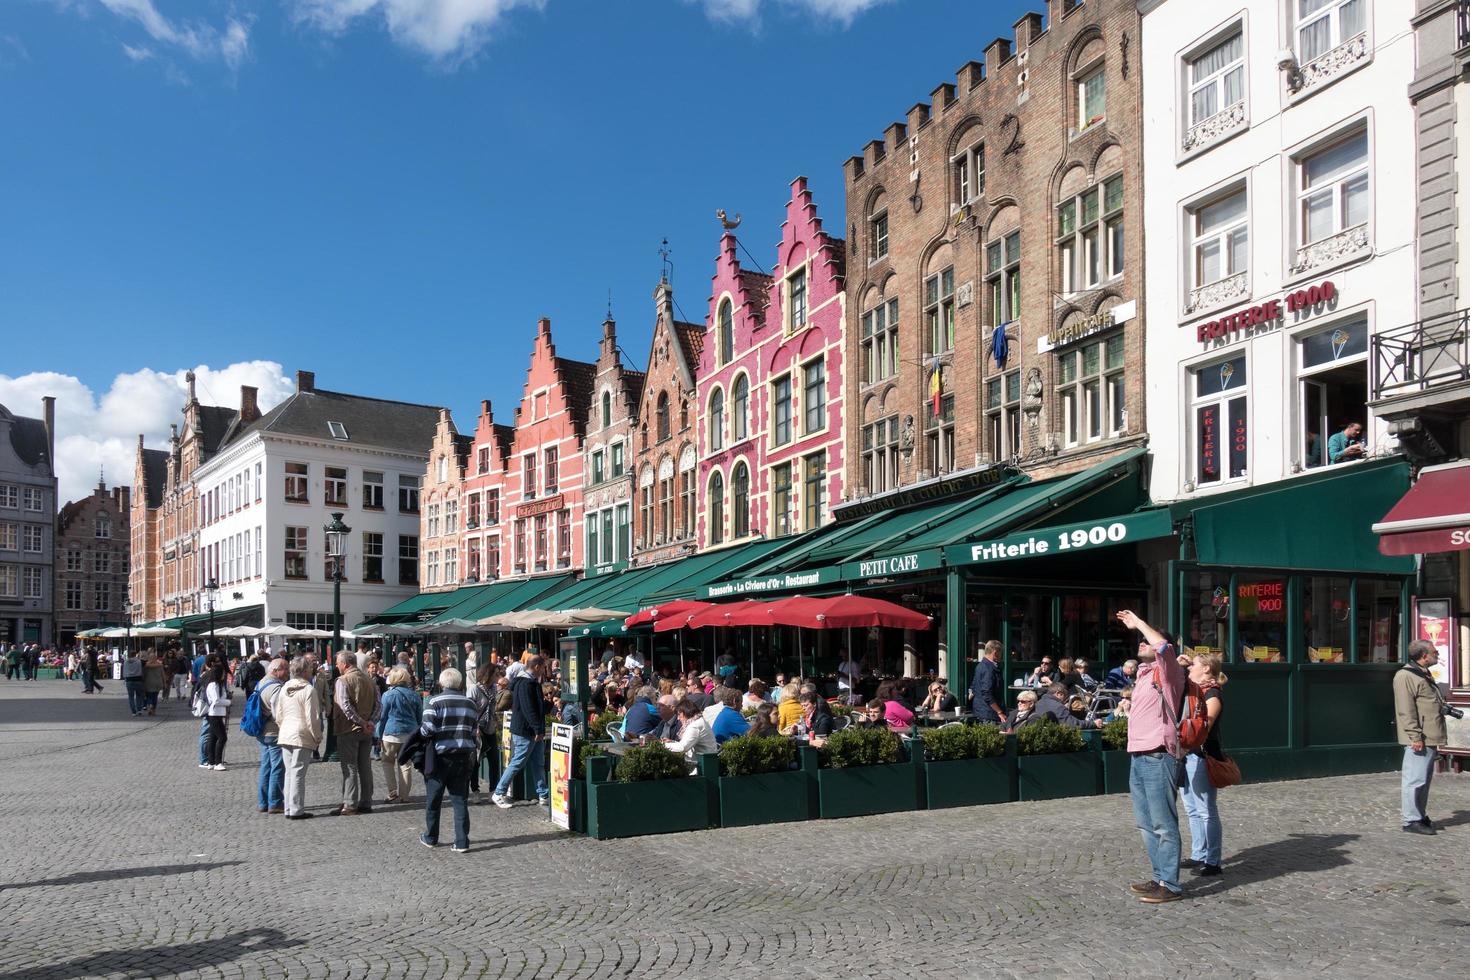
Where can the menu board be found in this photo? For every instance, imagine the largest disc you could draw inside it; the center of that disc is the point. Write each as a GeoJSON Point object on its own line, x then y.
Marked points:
{"type": "Point", "coordinates": [561, 775]}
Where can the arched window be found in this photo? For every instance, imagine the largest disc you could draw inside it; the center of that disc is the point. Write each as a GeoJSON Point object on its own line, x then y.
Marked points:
{"type": "Point", "coordinates": [716, 508]}
{"type": "Point", "coordinates": [606, 409]}
{"type": "Point", "coordinates": [717, 421]}
{"type": "Point", "coordinates": [741, 503]}
{"type": "Point", "coordinates": [740, 408]}
{"type": "Point", "coordinates": [663, 416]}
{"type": "Point", "coordinates": [726, 329]}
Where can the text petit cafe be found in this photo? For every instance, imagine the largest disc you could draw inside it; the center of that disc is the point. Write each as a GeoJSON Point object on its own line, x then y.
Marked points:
{"type": "Point", "coordinates": [1302, 301]}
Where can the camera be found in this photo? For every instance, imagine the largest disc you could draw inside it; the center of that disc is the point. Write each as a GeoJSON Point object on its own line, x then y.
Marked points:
{"type": "Point", "coordinates": [1450, 711]}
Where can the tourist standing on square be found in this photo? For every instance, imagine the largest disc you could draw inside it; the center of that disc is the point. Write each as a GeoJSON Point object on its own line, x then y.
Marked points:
{"type": "Point", "coordinates": [297, 710]}
{"type": "Point", "coordinates": [1422, 731]}
{"type": "Point", "coordinates": [354, 709]}
{"type": "Point", "coordinates": [449, 720]}
{"type": "Point", "coordinates": [527, 733]}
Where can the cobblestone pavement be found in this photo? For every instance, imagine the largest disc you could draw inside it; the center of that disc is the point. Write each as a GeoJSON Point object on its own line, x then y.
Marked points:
{"type": "Point", "coordinates": [121, 858]}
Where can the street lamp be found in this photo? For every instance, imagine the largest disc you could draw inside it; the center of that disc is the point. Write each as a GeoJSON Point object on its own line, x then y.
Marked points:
{"type": "Point", "coordinates": [336, 534]}
{"type": "Point", "coordinates": [211, 598]}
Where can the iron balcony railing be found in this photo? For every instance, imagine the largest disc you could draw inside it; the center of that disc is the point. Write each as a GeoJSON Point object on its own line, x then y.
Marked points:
{"type": "Point", "coordinates": [1422, 356]}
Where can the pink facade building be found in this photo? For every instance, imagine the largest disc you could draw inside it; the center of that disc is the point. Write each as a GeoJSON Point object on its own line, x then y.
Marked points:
{"type": "Point", "coordinates": [770, 386]}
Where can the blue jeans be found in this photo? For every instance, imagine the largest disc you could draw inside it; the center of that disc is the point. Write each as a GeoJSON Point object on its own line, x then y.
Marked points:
{"type": "Point", "coordinates": [137, 700]}
{"type": "Point", "coordinates": [1153, 782]}
{"type": "Point", "coordinates": [523, 752]}
{"type": "Point", "coordinates": [1205, 832]}
{"type": "Point", "coordinates": [452, 773]}
{"type": "Point", "coordinates": [1414, 780]}
{"type": "Point", "coordinates": [204, 740]}
{"type": "Point", "coordinates": [270, 786]}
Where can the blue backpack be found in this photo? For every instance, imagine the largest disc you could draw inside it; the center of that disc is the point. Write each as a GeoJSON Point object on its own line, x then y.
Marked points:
{"type": "Point", "coordinates": [252, 720]}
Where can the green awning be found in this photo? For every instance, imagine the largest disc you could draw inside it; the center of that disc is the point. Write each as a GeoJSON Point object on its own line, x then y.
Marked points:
{"type": "Point", "coordinates": [414, 607]}
{"type": "Point", "coordinates": [505, 597]}
{"type": "Point", "coordinates": [682, 579]}
{"type": "Point", "coordinates": [1319, 522]}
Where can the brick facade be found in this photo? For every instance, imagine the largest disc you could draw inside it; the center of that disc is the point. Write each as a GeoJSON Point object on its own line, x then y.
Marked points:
{"type": "Point", "coordinates": [932, 207]}
{"type": "Point", "coordinates": [664, 468]}
{"type": "Point", "coordinates": [766, 468]}
{"type": "Point", "coordinates": [444, 559]}
{"type": "Point", "coordinates": [93, 538]}
{"type": "Point", "coordinates": [608, 499]}
{"type": "Point", "coordinates": [486, 532]}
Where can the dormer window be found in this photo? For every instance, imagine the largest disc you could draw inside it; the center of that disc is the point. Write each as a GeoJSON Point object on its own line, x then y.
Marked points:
{"type": "Point", "coordinates": [338, 430]}
{"type": "Point", "coordinates": [796, 300]}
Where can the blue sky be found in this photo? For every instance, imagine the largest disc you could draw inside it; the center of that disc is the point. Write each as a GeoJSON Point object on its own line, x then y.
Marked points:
{"type": "Point", "coordinates": [390, 192]}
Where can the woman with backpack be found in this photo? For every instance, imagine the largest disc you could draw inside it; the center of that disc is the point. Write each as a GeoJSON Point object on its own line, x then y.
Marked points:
{"type": "Point", "coordinates": [217, 715]}
{"type": "Point", "coordinates": [1205, 833]}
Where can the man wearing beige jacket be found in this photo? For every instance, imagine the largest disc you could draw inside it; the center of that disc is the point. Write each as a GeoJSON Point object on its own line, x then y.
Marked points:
{"type": "Point", "coordinates": [1416, 703]}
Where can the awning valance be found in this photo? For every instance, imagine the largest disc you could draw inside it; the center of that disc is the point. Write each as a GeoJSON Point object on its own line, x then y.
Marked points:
{"type": "Point", "coordinates": [1433, 516]}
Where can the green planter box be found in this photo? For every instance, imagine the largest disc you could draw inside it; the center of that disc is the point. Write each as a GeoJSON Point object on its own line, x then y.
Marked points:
{"type": "Point", "coordinates": [863, 790]}
{"type": "Point", "coordinates": [771, 797]}
{"type": "Point", "coordinates": [1055, 777]}
{"type": "Point", "coordinates": [660, 806]}
{"type": "Point", "coordinates": [1116, 764]}
{"type": "Point", "coordinates": [577, 798]}
{"type": "Point", "coordinates": [970, 782]}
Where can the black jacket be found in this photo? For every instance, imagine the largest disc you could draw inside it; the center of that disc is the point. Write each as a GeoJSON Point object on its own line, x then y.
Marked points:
{"type": "Point", "coordinates": [986, 690]}
{"type": "Point", "coordinates": [527, 707]}
{"type": "Point", "coordinates": [1049, 707]}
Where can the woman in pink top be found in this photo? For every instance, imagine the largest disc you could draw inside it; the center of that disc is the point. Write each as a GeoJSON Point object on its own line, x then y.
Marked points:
{"type": "Point", "coordinates": [895, 712]}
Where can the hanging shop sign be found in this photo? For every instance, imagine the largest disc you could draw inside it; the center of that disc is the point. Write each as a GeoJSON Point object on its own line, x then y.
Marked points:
{"type": "Point", "coordinates": [1084, 327]}
{"type": "Point", "coordinates": [1063, 540]}
{"type": "Point", "coordinates": [1298, 301]}
{"type": "Point", "coordinates": [784, 582]}
{"type": "Point", "coordinates": [900, 564]}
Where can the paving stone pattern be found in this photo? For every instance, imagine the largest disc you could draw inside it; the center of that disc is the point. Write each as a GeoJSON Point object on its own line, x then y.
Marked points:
{"type": "Point", "coordinates": [121, 858]}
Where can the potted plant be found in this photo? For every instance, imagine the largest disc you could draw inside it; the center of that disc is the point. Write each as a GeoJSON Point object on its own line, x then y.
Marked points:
{"type": "Point", "coordinates": [760, 782]}
{"type": "Point", "coordinates": [967, 765]}
{"type": "Point", "coordinates": [1055, 762]}
{"type": "Point", "coordinates": [1115, 759]}
{"type": "Point", "coordinates": [863, 771]}
{"type": "Point", "coordinates": [649, 791]}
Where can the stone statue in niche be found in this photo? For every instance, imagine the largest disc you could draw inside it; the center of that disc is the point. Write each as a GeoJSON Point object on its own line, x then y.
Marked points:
{"type": "Point", "coordinates": [1031, 398]}
{"type": "Point", "coordinates": [906, 437]}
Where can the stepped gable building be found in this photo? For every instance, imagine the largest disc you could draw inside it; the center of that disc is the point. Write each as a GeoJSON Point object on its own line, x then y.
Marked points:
{"type": "Point", "coordinates": [771, 389]}
{"type": "Point", "coordinates": [608, 498]}
{"type": "Point", "coordinates": [439, 530]}
{"type": "Point", "coordinates": [92, 566]}
{"type": "Point", "coordinates": [145, 571]}
{"type": "Point", "coordinates": [484, 489]}
{"type": "Point", "coordinates": [666, 458]}
{"type": "Point", "coordinates": [27, 525]}
{"type": "Point", "coordinates": [999, 235]}
{"type": "Point", "coordinates": [267, 493]}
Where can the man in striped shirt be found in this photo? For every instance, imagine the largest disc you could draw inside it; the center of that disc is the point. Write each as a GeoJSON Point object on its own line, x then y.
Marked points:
{"type": "Point", "coordinates": [449, 720]}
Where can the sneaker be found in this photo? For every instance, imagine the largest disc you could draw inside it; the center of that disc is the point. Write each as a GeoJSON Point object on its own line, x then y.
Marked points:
{"type": "Point", "coordinates": [1191, 863]}
{"type": "Point", "coordinates": [1160, 896]}
{"type": "Point", "coordinates": [1208, 871]}
{"type": "Point", "coordinates": [1419, 828]}
{"type": "Point", "coordinates": [205, 765]}
{"type": "Point", "coordinates": [424, 840]}
{"type": "Point", "coordinates": [501, 801]}
{"type": "Point", "coordinates": [460, 850]}
{"type": "Point", "coordinates": [544, 801]}
{"type": "Point", "coordinates": [1144, 887]}
{"type": "Point", "coordinates": [219, 768]}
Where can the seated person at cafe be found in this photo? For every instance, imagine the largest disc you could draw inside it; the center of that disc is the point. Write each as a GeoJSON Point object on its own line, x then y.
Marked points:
{"type": "Point", "coordinates": [1067, 674]}
{"type": "Point", "coordinates": [870, 715]}
{"type": "Point", "coordinates": [816, 718]}
{"type": "Point", "coordinates": [717, 701]}
{"type": "Point", "coordinates": [755, 694]}
{"type": "Point", "coordinates": [695, 738]}
{"type": "Point", "coordinates": [668, 725]}
{"type": "Point", "coordinates": [695, 693]}
{"type": "Point", "coordinates": [1121, 677]}
{"type": "Point", "coordinates": [1042, 675]}
{"type": "Point", "coordinates": [1124, 705]}
{"type": "Point", "coordinates": [778, 690]}
{"type": "Point", "coordinates": [789, 707]}
{"type": "Point", "coordinates": [939, 699]}
{"type": "Point", "coordinates": [764, 722]}
{"type": "Point", "coordinates": [729, 722]}
{"type": "Point", "coordinates": [1056, 705]}
{"type": "Point", "coordinates": [898, 715]}
{"type": "Point", "coordinates": [641, 717]}
{"type": "Point", "coordinates": [1088, 682]}
{"type": "Point", "coordinates": [1022, 712]}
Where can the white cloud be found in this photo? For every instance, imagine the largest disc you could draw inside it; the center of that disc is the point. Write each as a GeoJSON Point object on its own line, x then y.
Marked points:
{"type": "Point", "coordinates": [202, 41]}
{"type": "Point", "coordinates": [449, 30]}
{"type": "Point", "coordinates": [842, 11]}
{"type": "Point", "coordinates": [139, 53]}
{"type": "Point", "coordinates": [12, 51]}
{"type": "Point", "coordinates": [93, 432]}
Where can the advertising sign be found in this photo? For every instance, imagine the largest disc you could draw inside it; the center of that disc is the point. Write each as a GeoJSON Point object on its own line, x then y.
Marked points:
{"type": "Point", "coordinates": [505, 747]}
{"type": "Point", "coordinates": [1432, 623]}
{"type": "Point", "coordinates": [562, 737]}
{"type": "Point", "coordinates": [1063, 540]}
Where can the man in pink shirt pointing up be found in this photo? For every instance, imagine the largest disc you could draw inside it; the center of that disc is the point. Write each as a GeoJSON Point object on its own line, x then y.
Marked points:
{"type": "Point", "coordinates": [1153, 744]}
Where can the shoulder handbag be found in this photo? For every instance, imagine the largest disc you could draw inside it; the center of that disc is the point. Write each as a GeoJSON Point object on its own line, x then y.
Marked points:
{"type": "Point", "coordinates": [1222, 772]}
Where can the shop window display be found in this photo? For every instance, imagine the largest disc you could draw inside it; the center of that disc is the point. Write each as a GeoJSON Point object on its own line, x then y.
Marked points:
{"type": "Point", "coordinates": [1327, 618]}
{"type": "Point", "coordinates": [1377, 621]}
{"type": "Point", "coordinates": [1206, 611]}
{"type": "Point", "coordinates": [1260, 619]}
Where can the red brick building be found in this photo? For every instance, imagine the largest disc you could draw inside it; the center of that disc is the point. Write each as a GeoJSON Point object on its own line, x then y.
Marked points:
{"type": "Point", "coordinates": [484, 485]}
{"type": "Point", "coordinates": [92, 542]}
{"type": "Point", "coordinates": [665, 467]}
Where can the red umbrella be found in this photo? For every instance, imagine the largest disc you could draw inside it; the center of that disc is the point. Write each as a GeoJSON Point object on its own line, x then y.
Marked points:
{"type": "Point", "coordinates": [678, 608]}
{"type": "Point", "coordinates": [843, 611]}
{"type": "Point", "coordinates": [748, 613]}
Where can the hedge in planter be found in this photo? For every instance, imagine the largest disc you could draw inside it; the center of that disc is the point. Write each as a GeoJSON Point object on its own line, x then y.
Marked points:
{"type": "Point", "coordinates": [1115, 759]}
{"type": "Point", "coordinates": [862, 773]}
{"type": "Point", "coordinates": [652, 794]}
{"type": "Point", "coordinates": [967, 766]}
{"type": "Point", "coordinates": [1054, 762]}
{"type": "Point", "coordinates": [760, 782]}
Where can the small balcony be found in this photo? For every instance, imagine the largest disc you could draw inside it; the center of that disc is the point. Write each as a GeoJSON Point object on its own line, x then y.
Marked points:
{"type": "Point", "coordinates": [1421, 381]}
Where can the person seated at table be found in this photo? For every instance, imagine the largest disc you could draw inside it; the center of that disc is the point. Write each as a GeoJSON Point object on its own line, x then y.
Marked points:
{"type": "Point", "coordinates": [938, 700]}
{"type": "Point", "coordinates": [668, 724]}
{"type": "Point", "coordinates": [815, 724]}
{"type": "Point", "coordinates": [755, 694]}
{"type": "Point", "coordinates": [870, 715]}
{"type": "Point", "coordinates": [1067, 674]}
{"type": "Point", "coordinates": [898, 715]}
{"type": "Point", "coordinates": [695, 693]}
{"type": "Point", "coordinates": [1056, 705]}
{"type": "Point", "coordinates": [1124, 705]}
{"type": "Point", "coordinates": [1023, 711]}
{"type": "Point", "coordinates": [764, 722]}
{"type": "Point", "coordinates": [778, 690]}
{"type": "Point", "coordinates": [707, 682]}
{"type": "Point", "coordinates": [642, 717]}
{"type": "Point", "coordinates": [789, 708]}
{"type": "Point", "coordinates": [1121, 677]}
{"type": "Point", "coordinates": [1089, 683]}
{"type": "Point", "coordinates": [1042, 675]}
{"type": "Point", "coordinates": [717, 699]}
{"type": "Point", "coordinates": [729, 722]}
{"type": "Point", "coordinates": [695, 738]}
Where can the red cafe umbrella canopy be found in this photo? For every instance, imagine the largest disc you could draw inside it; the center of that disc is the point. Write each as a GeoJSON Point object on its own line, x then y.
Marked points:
{"type": "Point", "coordinates": [747, 613]}
{"type": "Point", "coordinates": [679, 609]}
{"type": "Point", "coordinates": [845, 611]}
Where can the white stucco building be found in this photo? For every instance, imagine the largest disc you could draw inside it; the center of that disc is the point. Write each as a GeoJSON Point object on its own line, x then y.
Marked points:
{"type": "Point", "coordinates": [265, 497]}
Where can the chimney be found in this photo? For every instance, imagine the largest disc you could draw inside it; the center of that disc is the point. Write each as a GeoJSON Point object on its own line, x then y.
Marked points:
{"type": "Point", "coordinates": [49, 415]}
{"type": "Point", "coordinates": [249, 407]}
{"type": "Point", "coordinates": [189, 380]}
{"type": "Point", "coordinates": [306, 381]}
{"type": "Point", "coordinates": [1028, 29]}
{"type": "Point", "coordinates": [124, 499]}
